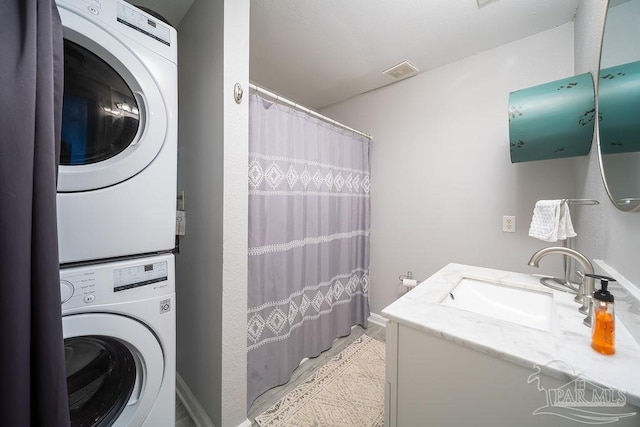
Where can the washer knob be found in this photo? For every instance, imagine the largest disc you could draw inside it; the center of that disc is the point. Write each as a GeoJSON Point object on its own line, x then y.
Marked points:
{"type": "Point", "coordinates": [66, 291]}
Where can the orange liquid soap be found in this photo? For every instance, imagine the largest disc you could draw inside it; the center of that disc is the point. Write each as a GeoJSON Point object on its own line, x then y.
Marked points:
{"type": "Point", "coordinates": [604, 332]}
{"type": "Point", "coordinates": [603, 319]}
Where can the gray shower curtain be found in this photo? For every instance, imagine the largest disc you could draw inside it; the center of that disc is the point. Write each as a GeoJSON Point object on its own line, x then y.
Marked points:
{"type": "Point", "coordinates": [33, 390]}
{"type": "Point", "coordinates": [309, 224]}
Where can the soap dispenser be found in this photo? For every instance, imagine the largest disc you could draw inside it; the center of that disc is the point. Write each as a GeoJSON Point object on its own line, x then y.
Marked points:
{"type": "Point", "coordinates": [603, 319]}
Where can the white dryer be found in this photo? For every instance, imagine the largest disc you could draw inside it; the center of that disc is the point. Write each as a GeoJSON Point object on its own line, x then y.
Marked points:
{"type": "Point", "coordinates": [118, 161]}
{"type": "Point", "coordinates": [118, 322]}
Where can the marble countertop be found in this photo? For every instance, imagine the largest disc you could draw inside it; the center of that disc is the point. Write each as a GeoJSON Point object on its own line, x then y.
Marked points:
{"type": "Point", "coordinates": [565, 352]}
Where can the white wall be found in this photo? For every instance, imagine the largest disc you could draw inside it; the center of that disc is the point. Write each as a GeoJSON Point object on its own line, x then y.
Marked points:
{"type": "Point", "coordinates": [236, 214]}
{"type": "Point", "coordinates": [199, 320]}
{"type": "Point", "coordinates": [614, 236]}
{"type": "Point", "coordinates": [441, 172]}
{"type": "Point", "coordinates": [211, 269]}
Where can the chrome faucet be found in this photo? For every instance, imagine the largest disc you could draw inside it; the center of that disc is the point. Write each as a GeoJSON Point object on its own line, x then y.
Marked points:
{"type": "Point", "coordinates": [587, 286]}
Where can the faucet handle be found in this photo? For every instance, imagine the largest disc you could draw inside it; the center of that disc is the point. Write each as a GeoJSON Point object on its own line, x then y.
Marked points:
{"type": "Point", "coordinates": [589, 303]}
{"type": "Point", "coordinates": [580, 291]}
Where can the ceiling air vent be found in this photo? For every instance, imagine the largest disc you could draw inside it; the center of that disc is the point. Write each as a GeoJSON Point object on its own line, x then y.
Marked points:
{"type": "Point", "coordinates": [401, 70]}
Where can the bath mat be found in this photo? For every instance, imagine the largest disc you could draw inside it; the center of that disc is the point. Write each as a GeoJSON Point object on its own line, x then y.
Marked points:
{"type": "Point", "coordinates": [347, 391]}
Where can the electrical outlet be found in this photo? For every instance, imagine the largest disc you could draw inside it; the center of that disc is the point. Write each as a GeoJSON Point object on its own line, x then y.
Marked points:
{"type": "Point", "coordinates": [509, 224]}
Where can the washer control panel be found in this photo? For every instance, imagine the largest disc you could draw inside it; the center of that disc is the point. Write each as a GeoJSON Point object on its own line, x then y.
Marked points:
{"type": "Point", "coordinates": [66, 291]}
{"type": "Point", "coordinates": [139, 275]}
{"type": "Point", "coordinates": [78, 287]}
{"type": "Point", "coordinates": [117, 282]}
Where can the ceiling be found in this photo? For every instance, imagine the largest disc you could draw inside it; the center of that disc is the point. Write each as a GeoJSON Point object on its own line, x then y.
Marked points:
{"type": "Point", "coordinates": [320, 52]}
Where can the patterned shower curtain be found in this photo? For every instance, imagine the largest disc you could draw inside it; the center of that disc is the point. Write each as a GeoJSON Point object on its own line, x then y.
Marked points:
{"type": "Point", "coordinates": [309, 223]}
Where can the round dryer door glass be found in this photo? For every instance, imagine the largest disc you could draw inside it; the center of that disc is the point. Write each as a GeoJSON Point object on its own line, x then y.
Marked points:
{"type": "Point", "coordinates": [100, 115]}
{"type": "Point", "coordinates": [101, 374]}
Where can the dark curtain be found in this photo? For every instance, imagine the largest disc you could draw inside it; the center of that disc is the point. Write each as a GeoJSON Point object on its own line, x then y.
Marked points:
{"type": "Point", "coordinates": [33, 389]}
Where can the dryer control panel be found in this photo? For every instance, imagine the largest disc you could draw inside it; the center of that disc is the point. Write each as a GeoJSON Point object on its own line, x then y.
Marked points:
{"type": "Point", "coordinates": [135, 19]}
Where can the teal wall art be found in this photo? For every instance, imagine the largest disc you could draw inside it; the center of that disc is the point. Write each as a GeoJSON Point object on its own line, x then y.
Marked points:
{"type": "Point", "coordinates": [552, 120]}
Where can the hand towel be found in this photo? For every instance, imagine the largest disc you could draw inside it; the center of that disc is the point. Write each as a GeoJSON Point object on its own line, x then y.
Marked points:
{"type": "Point", "coordinates": [565, 226]}
{"type": "Point", "coordinates": [551, 221]}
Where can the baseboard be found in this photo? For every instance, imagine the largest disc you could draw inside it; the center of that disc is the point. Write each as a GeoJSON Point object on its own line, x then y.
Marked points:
{"type": "Point", "coordinates": [378, 320]}
{"type": "Point", "coordinates": [193, 407]}
{"type": "Point", "coordinates": [246, 423]}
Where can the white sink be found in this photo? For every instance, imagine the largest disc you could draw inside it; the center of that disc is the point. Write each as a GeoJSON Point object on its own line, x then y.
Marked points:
{"type": "Point", "coordinates": [508, 302]}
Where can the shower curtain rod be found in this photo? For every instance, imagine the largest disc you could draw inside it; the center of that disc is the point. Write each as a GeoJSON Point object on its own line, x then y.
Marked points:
{"type": "Point", "coordinates": [304, 109]}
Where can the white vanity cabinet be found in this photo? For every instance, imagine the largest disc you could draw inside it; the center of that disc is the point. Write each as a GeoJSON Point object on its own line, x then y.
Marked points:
{"type": "Point", "coordinates": [447, 367]}
{"type": "Point", "coordinates": [438, 383]}
{"type": "Point", "coordinates": [434, 382]}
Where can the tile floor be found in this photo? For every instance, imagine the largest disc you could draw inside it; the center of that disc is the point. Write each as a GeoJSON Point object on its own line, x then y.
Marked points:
{"type": "Point", "coordinates": [270, 397]}
{"type": "Point", "coordinates": [182, 416]}
{"type": "Point", "coordinates": [303, 371]}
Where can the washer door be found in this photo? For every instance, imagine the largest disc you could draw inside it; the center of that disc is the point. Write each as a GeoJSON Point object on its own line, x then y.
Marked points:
{"type": "Point", "coordinates": [114, 120]}
{"type": "Point", "coordinates": [115, 367]}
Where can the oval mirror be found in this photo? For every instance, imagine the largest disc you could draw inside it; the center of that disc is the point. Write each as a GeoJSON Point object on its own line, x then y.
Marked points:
{"type": "Point", "coordinates": [619, 104]}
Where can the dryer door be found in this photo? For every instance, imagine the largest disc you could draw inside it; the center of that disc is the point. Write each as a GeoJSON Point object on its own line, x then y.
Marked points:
{"type": "Point", "coordinates": [115, 367]}
{"type": "Point", "coordinates": [114, 119]}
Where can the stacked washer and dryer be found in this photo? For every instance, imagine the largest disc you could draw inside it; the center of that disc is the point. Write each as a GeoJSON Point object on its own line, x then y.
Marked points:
{"type": "Point", "coordinates": [116, 213]}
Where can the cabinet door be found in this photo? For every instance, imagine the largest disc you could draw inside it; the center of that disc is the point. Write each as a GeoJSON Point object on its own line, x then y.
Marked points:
{"type": "Point", "coordinates": [391, 367]}
{"type": "Point", "coordinates": [449, 384]}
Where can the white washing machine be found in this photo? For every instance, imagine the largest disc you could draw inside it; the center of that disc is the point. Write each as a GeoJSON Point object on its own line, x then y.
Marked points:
{"type": "Point", "coordinates": [118, 160]}
{"type": "Point", "coordinates": [118, 322]}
